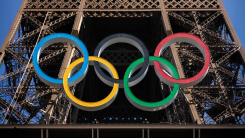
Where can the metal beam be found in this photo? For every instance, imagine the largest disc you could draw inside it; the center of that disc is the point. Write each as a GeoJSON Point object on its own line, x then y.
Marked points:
{"type": "Point", "coordinates": [16, 96]}
{"type": "Point", "coordinates": [78, 20]}
{"type": "Point", "coordinates": [50, 10]}
{"type": "Point", "coordinates": [119, 10]}
{"type": "Point", "coordinates": [40, 28]}
{"type": "Point", "coordinates": [80, 91]}
{"type": "Point", "coordinates": [232, 30]}
{"type": "Point", "coordinates": [165, 20]}
{"type": "Point", "coordinates": [188, 9]}
{"type": "Point", "coordinates": [178, 65]}
{"type": "Point", "coordinates": [122, 126]}
{"type": "Point", "coordinates": [65, 64]}
{"type": "Point", "coordinates": [12, 31]}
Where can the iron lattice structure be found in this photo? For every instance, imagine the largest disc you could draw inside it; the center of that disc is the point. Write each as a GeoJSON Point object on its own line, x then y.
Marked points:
{"type": "Point", "coordinates": [218, 99]}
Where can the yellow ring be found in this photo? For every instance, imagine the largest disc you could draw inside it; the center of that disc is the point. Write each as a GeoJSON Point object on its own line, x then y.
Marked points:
{"type": "Point", "coordinates": [90, 104]}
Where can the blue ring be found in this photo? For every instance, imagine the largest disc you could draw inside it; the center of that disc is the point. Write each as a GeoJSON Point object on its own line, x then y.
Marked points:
{"type": "Point", "coordinates": [61, 38]}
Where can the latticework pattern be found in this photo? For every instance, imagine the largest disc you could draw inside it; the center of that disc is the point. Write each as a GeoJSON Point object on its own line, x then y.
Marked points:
{"type": "Point", "coordinates": [121, 4]}
{"type": "Point", "coordinates": [191, 4]}
{"type": "Point", "coordinates": [119, 14]}
{"type": "Point", "coordinates": [53, 4]}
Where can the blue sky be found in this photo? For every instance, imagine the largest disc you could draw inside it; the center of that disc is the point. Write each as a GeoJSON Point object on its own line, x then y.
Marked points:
{"type": "Point", "coordinates": [9, 9]}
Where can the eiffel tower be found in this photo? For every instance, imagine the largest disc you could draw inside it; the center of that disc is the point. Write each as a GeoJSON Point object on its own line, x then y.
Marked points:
{"type": "Point", "coordinates": [219, 99]}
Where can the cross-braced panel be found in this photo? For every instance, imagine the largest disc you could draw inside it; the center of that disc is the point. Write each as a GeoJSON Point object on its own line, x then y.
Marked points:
{"type": "Point", "coordinates": [119, 14]}
{"type": "Point", "coordinates": [219, 97]}
{"type": "Point", "coordinates": [121, 4]}
{"type": "Point", "coordinates": [53, 4]}
{"type": "Point", "coordinates": [20, 83]}
{"type": "Point", "coordinates": [191, 4]}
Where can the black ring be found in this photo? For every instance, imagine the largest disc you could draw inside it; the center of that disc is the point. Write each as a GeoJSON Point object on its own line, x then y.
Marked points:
{"type": "Point", "coordinates": [121, 38]}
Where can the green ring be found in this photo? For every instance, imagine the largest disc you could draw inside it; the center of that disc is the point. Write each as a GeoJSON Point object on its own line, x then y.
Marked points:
{"type": "Point", "coordinates": [151, 104]}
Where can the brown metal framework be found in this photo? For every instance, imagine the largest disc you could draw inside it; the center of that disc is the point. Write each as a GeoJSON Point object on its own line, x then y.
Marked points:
{"type": "Point", "coordinates": [123, 130]}
{"type": "Point", "coordinates": [218, 99]}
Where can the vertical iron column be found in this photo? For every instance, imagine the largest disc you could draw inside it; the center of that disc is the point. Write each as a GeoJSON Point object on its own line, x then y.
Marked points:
{"type": "Point", "coordinates": [78, 20]}
{"type": "Point", "coordinates": [69, 54]}
{"type": "Point", "coordinates": [169, 31]}
{"type": "Point", "coordinates": [65, 64]}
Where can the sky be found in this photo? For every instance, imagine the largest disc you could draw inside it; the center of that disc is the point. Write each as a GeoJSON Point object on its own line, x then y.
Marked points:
{"type": "Point", "coordinates": [9, 9]}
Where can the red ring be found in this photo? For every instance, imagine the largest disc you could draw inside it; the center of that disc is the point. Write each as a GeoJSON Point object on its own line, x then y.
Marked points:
{"type": "Point", "coordinates": [189, 80]}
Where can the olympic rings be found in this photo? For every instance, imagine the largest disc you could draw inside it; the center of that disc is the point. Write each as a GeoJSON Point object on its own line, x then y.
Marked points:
{"type": "Point", "coordinates": [189, 38]}
{"type": "Point", "coordinates": [127, 81]}
{"type": "Point", "coordinates": [126, 38]}
{"type": "Point", "coordinates": [54, 38]}
{"type": "Point", "coordinates": [91, 106]}
{"type": "Point", "coordinates": [150, 106]}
